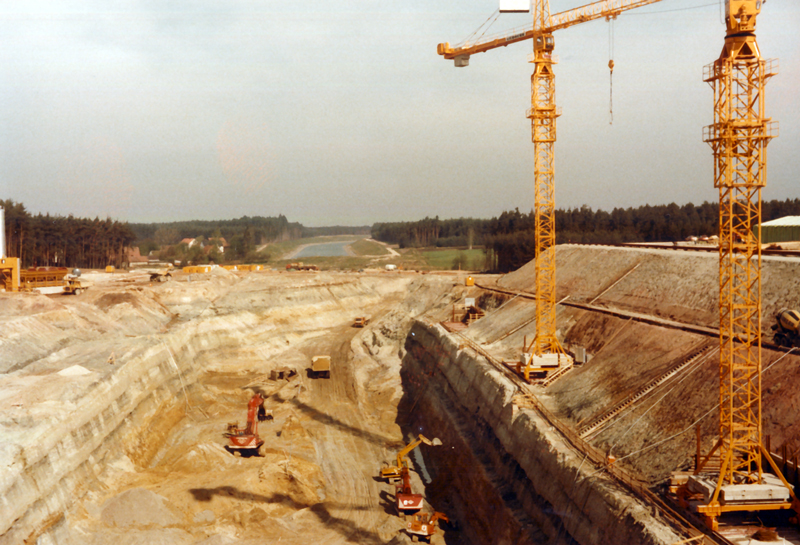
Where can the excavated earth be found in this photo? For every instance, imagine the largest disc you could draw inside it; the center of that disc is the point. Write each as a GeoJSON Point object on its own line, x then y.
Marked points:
{"type": "Point", "coordinates": [113, 403]}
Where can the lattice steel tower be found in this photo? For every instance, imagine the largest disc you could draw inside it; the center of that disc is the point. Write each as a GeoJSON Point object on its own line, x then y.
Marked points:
{"type": "Point", "coordinates": [739, 137]}
{"type": "Point", "coordinates": [543, 114]}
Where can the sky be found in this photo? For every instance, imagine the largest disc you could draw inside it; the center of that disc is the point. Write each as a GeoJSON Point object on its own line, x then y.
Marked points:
{"type": "Point", "coordinates": [340, 112]}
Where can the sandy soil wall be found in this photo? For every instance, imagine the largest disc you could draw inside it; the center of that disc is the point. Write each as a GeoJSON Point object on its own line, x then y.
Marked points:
{"type": "Point", "coordinates": [680, 286]}
{"type": "Point", "coordinates": [655, 435]}
{"type": "Point", "coordinates": [506, 474]}
{"type": "Point", "coordinates": [71, 412]}
{"type": "Point", "coordinates": [127, 412]}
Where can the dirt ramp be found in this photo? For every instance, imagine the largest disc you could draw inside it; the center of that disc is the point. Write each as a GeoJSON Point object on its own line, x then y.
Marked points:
{"type": "Point", "coordinates": [138, 507]}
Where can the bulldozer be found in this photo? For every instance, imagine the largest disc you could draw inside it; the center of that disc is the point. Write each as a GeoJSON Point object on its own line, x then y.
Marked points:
{"type": "Point", "coordinates": [787, 327]}
{"type": "Point", "coordinates": [423, 525]}
{"type": "Point", "coordinates": [394, 473]}
{"type": "Point", "coordinates": [361, 321]}
{"type": "Point", "coordinates": [247, 440]}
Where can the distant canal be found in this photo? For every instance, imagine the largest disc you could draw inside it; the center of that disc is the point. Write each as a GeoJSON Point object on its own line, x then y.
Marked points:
{"type": "Point", "coordinates": [327, 249]}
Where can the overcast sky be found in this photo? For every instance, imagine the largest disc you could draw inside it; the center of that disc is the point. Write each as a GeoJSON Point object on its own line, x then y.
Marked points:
{"type": "Point", "coordinates": [341, 112]}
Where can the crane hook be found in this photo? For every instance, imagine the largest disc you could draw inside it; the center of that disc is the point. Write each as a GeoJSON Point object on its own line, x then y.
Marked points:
{"type": "Point", "coordinates": [611, 92]}
{"type": "Point", "coordinates": [611, 70]}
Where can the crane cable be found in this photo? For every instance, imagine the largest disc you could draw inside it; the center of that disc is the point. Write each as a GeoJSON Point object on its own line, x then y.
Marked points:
{"type": "Point", "coordinates": [489, 20]}
{"type": "Point", "coordinates": [611, 70]}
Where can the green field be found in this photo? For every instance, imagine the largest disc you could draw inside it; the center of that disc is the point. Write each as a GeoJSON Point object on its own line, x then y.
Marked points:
{"type": "Point", "coordinates": [369, 247]}
{"type": "Point", "coordinates": [449, 258]}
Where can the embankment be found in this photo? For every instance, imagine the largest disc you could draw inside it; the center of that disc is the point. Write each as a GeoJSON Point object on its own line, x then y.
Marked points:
{"type": "Point", "coordinates": [504, 472]}
{"type": "Point", "coordinates": [108, 393]}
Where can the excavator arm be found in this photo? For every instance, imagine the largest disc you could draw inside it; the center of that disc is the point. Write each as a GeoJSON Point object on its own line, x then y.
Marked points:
{"type": "Point", "coordinates": [395, 473]}
{"type": "Point", "coordinates": [401, 455]}
{"type": "Point", "coordinates": [608, 9]}
{"type": "Point", "coordinates": [255, 413]}
{"type": "Point", "coordinates": [439, 516]}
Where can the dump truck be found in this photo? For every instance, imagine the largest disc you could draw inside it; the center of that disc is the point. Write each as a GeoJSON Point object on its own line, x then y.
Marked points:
{"type": "Point", "coordinates": [423, 525]}
{"type": "Point", "coordinates": [787, 327]}
{"type": "Point", "coordinates": [74, 285]}
{"type": "Point", "coordinates": [320, 367]}
{"type": "Point", "coordinates": [361, 321]}
{"type": "Point", "coordinates": [394, 473]}
{"type": "Point", "coordinates": [247, 439]}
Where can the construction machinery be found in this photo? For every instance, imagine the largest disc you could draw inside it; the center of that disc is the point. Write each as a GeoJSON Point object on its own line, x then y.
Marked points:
{"type": "Point", "coordinates": [282, 373]}
{"type": "Point", "coordinates": [739, 137]}
{"type": "Point", "coordinates": [423, 525]}
{"type": "Point", "coordinates": [160, 276]}
{"type": "Point", "coordinates": [74, 285]}
{"type": "Point", "coordinates": [301, 267]}
{"type": "Point", "coordinates": [787, 327]}
{"type": "Point", "coordinates": [361, 321]}
{"type": "Point", "coordinates": [320, 367]}
{"type": "Point", "coordinates": [9, 273]}
{"type": "Point", "coordinates": [543, 114]}
{"type": "Point", "coordinates": [394, 473]}
{"type": "Point", "coordinates": [406, 501]}
{"type": "Point", "coordinates": [247, 440]}
{"type": "Point", "coordinates": [9, 266]}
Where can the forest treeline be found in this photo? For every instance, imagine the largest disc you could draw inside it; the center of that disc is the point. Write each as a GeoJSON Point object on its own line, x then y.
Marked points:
{"type": "Point", "coordinates": [310, 232]}
{"type": "Point", "coordinates": [260, 230]}
{"type": "Point", "coordinates": [508, 238]}
{"type": "Point", "coordinates": [45, 240]}
{"type": "Point", "coordinates": [240, 238]}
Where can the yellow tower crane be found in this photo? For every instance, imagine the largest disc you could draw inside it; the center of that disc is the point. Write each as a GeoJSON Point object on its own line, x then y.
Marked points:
{"type": "Point", "coordinates": [739, 137]}
{"type": "Point", "coordinates": [545, 352]}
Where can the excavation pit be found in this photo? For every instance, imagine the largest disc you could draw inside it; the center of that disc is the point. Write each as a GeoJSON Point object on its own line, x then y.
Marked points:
{"type": "Point", "coordinates": [114, 406]}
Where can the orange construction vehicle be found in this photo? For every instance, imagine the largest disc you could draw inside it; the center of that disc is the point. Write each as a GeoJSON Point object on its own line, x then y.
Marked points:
{"type": "Point", "coordinates": [393, 474]}
{"type": "Point", "coordinates": [407, 502]}
{"type": "Point", "coordinates": [247, 439]}
{"type": "Point", "coordinates": [423, 525]}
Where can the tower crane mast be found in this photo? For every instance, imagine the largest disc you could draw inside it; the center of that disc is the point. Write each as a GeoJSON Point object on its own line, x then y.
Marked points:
{"type": "Point", "coordinates": [545, 348]}
{"type": "Point", "coordinates": [739, 137]}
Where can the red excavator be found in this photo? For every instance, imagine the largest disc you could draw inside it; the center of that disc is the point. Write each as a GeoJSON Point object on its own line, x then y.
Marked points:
{"type": "Point", "coordinates": [423, 525]}
{"type": "Point", "coordinates": [247, 439]}
{"type": "Point", "coordinates": [407, 502]}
